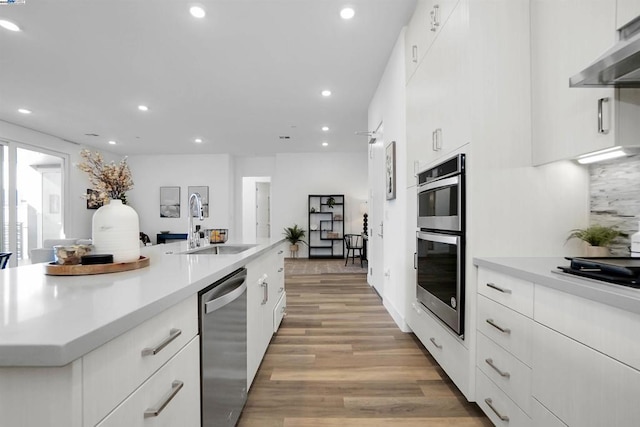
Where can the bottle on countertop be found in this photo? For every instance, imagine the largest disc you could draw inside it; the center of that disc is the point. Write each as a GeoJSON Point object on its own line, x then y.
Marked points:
{"type": "Point", "coordinates": [635, 243]}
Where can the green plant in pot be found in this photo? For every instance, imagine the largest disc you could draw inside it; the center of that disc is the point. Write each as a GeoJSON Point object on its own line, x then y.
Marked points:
{"type": "Point", "coordinates": [597, 237]}
{"type": "Point", "coordinates": [294, 235]}
{"type": "Point", "coordinates": [331, 201]}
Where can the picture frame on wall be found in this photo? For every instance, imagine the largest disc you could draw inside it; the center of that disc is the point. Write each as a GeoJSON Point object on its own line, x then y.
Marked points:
{"type": "Point", "coordinates": [390, 170]}
{"type": "Point", "coordinates": [93, 202]}
{"type": "Point", "coordinates": [204, 196]}
{"type": "Point", "coordinates": [169, 202]}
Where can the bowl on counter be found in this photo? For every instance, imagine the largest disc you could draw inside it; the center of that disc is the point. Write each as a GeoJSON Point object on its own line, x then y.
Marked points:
{"type": "Point", "coordinates": [70, 254]}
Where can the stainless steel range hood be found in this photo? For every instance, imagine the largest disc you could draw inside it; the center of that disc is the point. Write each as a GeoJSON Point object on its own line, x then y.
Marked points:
{"type": "Point", "coordinates": [617, 67]}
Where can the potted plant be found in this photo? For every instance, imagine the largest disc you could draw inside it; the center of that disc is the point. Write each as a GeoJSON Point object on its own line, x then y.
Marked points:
{"type": "Point", "coordinates": [331, 201]}
{"type": "Point", "coordinates": [597, 237]}
{"type": "Point", "coordinates": [294, 235]}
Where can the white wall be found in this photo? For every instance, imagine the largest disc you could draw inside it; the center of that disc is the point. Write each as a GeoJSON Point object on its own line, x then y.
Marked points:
{"type": "Point", "coordinates": [388, 106]}
{"type": "Point", "coordinates": [150, 172]}
{"type": "Point", "coordinates": [300, 174]}
{"type": "Point", "coordinates": [77, 220]}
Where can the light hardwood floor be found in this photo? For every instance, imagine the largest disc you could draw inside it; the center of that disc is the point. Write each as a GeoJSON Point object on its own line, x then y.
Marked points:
{"type": "Point", "coordinates": [339, 360]}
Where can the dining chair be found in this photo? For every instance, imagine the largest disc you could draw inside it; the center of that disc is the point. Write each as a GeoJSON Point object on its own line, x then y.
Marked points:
{"type": "Point", "coordinates": [4, 259]}
{"type": "Point", "coordinates": [353, 243]}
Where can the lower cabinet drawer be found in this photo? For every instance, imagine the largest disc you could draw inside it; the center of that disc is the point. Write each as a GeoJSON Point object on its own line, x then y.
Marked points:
{"type": "Point", "coordinates": [450, 354]}
{"type": "Point", "coordinates": [501, 410]}
{"type": "Point", "coordinates": [511, 375]}
{"type": "Point", "coordinates": [541, 417]}
{"type": "Point", "coordinates": [171, 397]}
{"type": "Point", "coordinates": [279, 311]}
{"type": "Point", "coordinates": [114, 370]}
{"type": "Point", "coordinates": [510, 330]}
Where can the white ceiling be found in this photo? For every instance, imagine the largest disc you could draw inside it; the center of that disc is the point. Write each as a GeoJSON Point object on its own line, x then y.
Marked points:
{"type": "Point", "coordinates": [246, 74]}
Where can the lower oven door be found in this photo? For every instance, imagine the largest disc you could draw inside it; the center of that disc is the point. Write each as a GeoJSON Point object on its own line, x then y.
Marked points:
{"type": "Point", "coordinates": [440, 277]}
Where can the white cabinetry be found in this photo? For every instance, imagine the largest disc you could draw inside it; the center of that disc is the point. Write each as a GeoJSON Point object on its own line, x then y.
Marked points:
{"type": "Point", "coordinates": [437, 110]}
{"type": "Point", "coordinates": [627, 11]}
{"type": "Point", "coordinates": [582, 366]}
{"type": "Point", "coordinates": [427, 20]}
{"type": "Point", "coordinates": [567, 36]}
{"type": "Point", "coordinates": [265, 296]}
{"type": "Point", "coordinates": [143, 362]}
{"type": "Point", "coordinates": [503, 356]}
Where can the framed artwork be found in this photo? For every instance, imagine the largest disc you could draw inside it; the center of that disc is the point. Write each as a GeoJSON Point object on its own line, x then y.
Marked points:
{"type": "Point", "coordinates": [92, 199]}
{"type": "Point", "coordinates": [390, 167]}
{"type": "Point", "coordinates": [169, 202]}
{"type": "Point", "coordinates": [204, 195]}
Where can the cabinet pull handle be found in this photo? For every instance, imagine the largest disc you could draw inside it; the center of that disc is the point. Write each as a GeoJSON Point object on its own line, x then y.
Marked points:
{"type": "Point", "coordinates": [601, 128]}
{"type": "Point", "coordinates": [175, 388]}
{"type": "Point", "coordinates": [265, 295]}
{"type": "Point", "coordinates": [498, 327]}
{"type": "Point", "coordinates": [414, 53]}
{"type": "Point", "coordinates": [435, 18]}
{"type": "Point", "coordinates": [151, 351]}
{"type": "Point", "coordinates": [433, 141]}
{"type": "Point", "coordinates": [433, 340]}
{"type": "Point", "coordinates": [489, 402]}
{"type": "Point", "coordinates": [415, 257]}
{"type": "Point", "coordinates": [498, 288]}
{"type": "Point", "coordinates": [502, 373]}
{"type": "Point", "coordinates": [438, 139]}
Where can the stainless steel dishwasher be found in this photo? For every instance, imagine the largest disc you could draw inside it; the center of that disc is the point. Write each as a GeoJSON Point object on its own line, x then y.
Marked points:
{"type": "Point", "coordinates": [223, 349]}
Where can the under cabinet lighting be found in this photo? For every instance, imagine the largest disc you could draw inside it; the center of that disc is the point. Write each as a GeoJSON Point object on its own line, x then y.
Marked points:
{"type": "Point", "coordinates": [607, 154]}
{"type": "Point", "coordinates": [8, 25]}
{"type": "Point", "coordinates": [24, 111]}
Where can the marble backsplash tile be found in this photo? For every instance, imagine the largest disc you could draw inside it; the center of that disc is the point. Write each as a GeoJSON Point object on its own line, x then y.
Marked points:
{"type": "Point", "coordinates": [615, 197]}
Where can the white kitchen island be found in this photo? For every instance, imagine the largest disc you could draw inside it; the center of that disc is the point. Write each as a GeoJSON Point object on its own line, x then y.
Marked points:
{"type": "Point", "coordinates": [71, 346]}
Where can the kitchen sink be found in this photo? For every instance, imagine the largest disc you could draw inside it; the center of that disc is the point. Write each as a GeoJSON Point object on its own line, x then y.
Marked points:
{"type": "Point", "coordinates": [219, 250]}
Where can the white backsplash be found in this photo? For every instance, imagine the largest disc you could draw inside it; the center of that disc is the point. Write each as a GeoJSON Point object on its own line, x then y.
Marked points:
{"type": "Point", "coordinates": [615, 197]}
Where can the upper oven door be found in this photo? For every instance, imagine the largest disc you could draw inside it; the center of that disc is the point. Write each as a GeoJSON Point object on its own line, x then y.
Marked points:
{"type": "Point", "coordinates": [440, 204]}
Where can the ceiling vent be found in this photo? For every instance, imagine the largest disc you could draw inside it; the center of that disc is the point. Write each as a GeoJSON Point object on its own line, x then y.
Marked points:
{"type": "Point", "coordinates": [284, 137]}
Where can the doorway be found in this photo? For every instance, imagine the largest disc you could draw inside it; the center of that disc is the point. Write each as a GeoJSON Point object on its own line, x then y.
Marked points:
{"type": "Point", "coordinates": [256, 207]}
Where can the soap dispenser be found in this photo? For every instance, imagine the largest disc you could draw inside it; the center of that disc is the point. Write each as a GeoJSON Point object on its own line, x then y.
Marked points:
{"type": "Point", "coordinates": [635, 243]}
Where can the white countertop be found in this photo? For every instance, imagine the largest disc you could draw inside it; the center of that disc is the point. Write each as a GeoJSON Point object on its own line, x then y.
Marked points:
{"type": "Point", "coordinates": [53, 320]}
{"type": "Point", "coordinates": [544, 271]}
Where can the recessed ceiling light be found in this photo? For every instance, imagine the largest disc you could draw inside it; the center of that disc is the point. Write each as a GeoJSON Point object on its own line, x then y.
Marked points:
{"type": "Point", "coordinates": [347, 13]}
{"type": "Point", "coordinates": [325, 128]}
{"type": "Point", "coordinates": [326, 92]}
{"type": "Point", "coordinates": [8, 25]}
{"type": "Point", "coordinates": [197, 12]}
{"type": "Point", "coordinates": [143, 108]}
{"type": "Point", "coordinates": [24, 111]}
{"type": "Point", "coordinates": [112, 142]}
{"type": "Point", "coordinates": [324, 144]}
{"type": "Point", "coordinates": [198, 140]}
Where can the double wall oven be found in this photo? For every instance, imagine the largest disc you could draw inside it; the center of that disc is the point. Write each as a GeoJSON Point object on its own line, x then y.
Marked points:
{"type": "Point", "coordinates": [440, 243]}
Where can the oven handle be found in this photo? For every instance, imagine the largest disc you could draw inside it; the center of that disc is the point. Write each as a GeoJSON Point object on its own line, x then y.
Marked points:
{"type": "Point", "coordinates": [440, 238]}
{"type": "Point", "coordinates": [447, 182]}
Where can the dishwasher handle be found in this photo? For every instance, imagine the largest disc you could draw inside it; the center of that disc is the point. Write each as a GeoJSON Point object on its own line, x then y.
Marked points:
{"type": "Point", "coordinates": [225, 293]}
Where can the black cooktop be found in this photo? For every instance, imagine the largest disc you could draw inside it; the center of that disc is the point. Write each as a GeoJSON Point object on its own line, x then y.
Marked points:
{"type": "Point", "coordinates": [619, 270]}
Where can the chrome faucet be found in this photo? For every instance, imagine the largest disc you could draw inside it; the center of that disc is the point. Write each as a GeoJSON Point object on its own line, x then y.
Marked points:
{"type": "Point", "coordinates": [191, 233]}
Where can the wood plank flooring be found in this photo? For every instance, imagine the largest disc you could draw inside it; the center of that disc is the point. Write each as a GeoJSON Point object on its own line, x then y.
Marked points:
{"type": "Point", "coordinates": [339, 360]}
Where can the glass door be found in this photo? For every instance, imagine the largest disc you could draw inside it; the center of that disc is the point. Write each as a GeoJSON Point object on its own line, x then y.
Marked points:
{"type": "Point", "coordinates": [32, 199]}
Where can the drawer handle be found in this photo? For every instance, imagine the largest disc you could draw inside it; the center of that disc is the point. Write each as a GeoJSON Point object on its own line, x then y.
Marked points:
{"type": "Point", "coordinates": [498, 327]}
{"type": "Point", "coordinates": [265, 295]}
{"type": "Point", "coordinates": [433, 340]}
{"type": "Point", "coordinates": [498, 288]}
{"type": "Point", "coordinates": [173, 334]}
{"type": "Point", "coordinates": [489, 402]}
{"type": "Point", "coordinates": [502, 373]}
{"type": "Point", "coordinates": [175, 388]}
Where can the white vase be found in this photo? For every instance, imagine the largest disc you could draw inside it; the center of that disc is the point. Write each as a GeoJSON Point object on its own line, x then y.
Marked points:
{"type": "Point", "coordinates": [116, 231]}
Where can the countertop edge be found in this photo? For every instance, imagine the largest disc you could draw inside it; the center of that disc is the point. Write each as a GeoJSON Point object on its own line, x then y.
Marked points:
{"type": "Point", "coordinates": [52, 355]}
{"type": "Point", "coordinates": [539, 271]}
